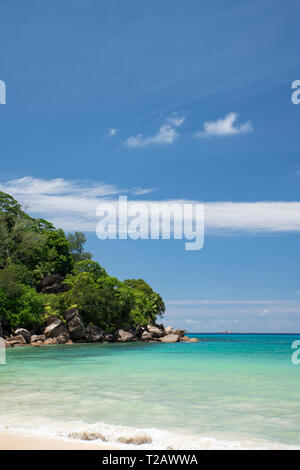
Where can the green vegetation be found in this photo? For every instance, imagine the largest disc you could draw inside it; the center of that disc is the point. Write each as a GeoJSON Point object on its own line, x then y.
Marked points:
{"type": "Point", "coordinates": [44, 272]}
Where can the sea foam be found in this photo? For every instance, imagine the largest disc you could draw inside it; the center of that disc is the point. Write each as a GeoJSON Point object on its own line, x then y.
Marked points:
{"type": "Point", "coordinates": [131, 438]}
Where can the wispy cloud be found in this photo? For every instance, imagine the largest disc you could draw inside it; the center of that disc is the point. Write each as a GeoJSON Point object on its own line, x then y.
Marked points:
{"type": "Point", "coordinates": [224, 127]}
{"type": "Point", "coordinates": [233, 302]}
{"type": "Point", "coordinates": [112, 132]}
{"type": "Point", "coordinates": [58, 187]}
{"type": "Point", "coordinates": [141, 192]}
{"type": "Point", "coordinates": [72, 205]}
{"type": "Point", "coordinates": [167, 134]}
{"type": "Point", "coordinates": [236, 315]}
{"type": "Point", "coordinates": [69, 204]}
{"type": "Point", "coordinates": [195, 309]}
{"type": "Point", "coordinates": [252, 217]}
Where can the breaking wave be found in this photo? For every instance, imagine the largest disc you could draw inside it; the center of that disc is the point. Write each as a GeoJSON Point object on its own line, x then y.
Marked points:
{"type": "Point", "coordinates": [125, 437]}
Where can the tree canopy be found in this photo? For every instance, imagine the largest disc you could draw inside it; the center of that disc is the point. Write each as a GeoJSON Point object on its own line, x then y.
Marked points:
{"type": "Point", "coordinates": [33, 252]}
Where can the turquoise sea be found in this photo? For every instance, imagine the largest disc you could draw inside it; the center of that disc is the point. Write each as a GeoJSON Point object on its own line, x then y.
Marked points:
{"type": "Point", "coordinates": [227, 391]}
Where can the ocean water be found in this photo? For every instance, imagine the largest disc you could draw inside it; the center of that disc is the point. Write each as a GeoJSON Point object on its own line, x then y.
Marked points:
{"type": "Point", "coordinates": [227, 391]}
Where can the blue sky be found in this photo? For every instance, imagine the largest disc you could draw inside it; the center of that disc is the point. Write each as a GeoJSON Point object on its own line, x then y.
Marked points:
{"type": "Point", "coordinates": [199, 98]}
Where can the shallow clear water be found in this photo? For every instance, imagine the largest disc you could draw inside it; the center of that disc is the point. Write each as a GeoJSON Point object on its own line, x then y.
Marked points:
{"type": "Point", "coordinates": [238, 391]}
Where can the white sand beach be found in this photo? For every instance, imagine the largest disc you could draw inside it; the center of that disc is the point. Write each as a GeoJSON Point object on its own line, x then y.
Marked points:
{"type": "Point", "coordinates": [19, 442]}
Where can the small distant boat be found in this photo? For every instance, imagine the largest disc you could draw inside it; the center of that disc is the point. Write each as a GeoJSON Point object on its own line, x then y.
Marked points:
{"type": "Point", "coordinates": [225, 332]}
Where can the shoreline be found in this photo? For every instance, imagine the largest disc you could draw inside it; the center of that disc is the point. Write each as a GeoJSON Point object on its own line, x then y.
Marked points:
{"type": "Point", "coordinates": [73, 331]}
{"type": "Point", "coordinates": [9, 441]}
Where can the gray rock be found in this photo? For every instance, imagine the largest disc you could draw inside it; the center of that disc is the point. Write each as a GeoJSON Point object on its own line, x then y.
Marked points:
{"type": "Point", "coordinates": [124, 336]}
{"type": "Point", "coordinates": [62, 339]}
{"type": "Point", "coordinates": [16, 340]}
{"type": "Point", "coordinates": [57, 328]}
{"type": "Point", "coordinates": [155, 331]}
{"type": "Point", "coordinates": [50, 319]}
{"type": "Point", "coordinates": [75, 324]}
{"type": "Point", "coordinates": [193, 340]}
{"type": "Point", "coordinates": [94, 334]}
{"type": "Point", "coordinates": [49, 341]}
{"type": "Point", "coordinates": [184, 338]}
{"type": "Point", "coordinates": [25, 333]}
{"type": "Point", "coordinates": [37, 344]}
{"type": "Point", "coordinates": [53, 284]}
{"type": "Point", "coordinates": [169, 330]}
{"type": "Point", "coordinates": [146, 336]}
{"type": "Point", "coordinates": [4, 343]}
{"type": "Point", "coordinates": [109, 338]}
{"type": "Point", "coordinates": [35, 338]}
{"type": "Point", "coordinates": [179, 332]}
{"type": "Point", "coordinates": [170, 339]}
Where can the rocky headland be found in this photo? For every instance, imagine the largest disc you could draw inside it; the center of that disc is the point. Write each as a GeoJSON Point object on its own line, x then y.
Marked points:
{"type": "Point", "coordinates": [71, 330]}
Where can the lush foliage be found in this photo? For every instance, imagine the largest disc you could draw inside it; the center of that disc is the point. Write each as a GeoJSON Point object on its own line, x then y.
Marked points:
{"type": "Point", "coordinates": [31, 250]}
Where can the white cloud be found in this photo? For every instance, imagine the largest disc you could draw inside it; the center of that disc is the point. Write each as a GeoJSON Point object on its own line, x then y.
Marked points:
{"type": "Point", "coordinates": [224, 127]}
{"type": "Point", "coordinates": [57, 187]}
{"type": "Point", "coordinates": [253, 217]}
{"type": "Point", "coordinates": [266, 311]}
{"type": "Point", "coordinates": [140, 191]}
{"type": "Point", "coordinates": [72, 205]}
{"type": "Point", "coordinates": [112, 132]}
{"type": "Point", "coordinates": [190, 322]}
{"type": "Point", "coordinates": [167, 134]}
{"type": "Point", "coordinates": [69, 204]}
